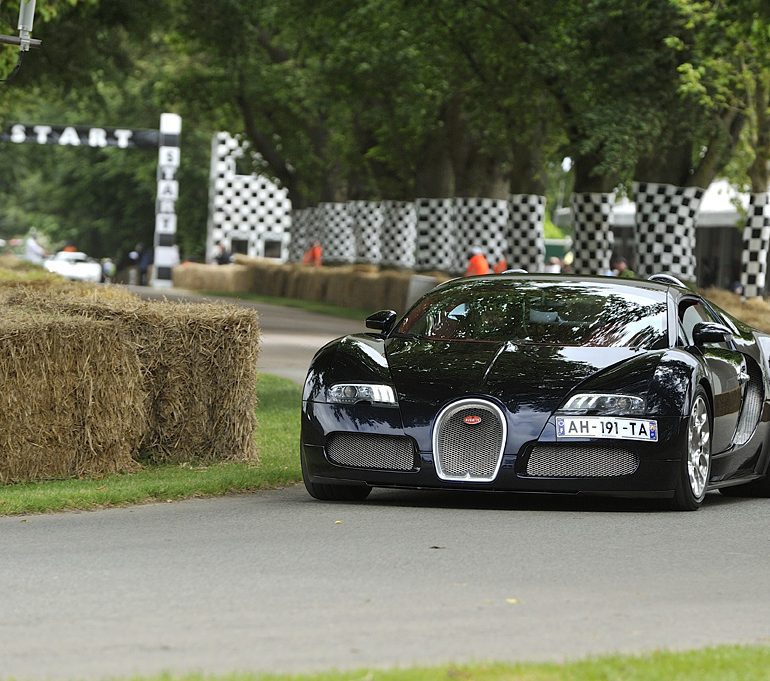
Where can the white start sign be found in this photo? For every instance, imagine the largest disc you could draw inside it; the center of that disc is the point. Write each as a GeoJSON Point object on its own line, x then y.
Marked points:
{"type": "Point", "coordinates": [78, 136]}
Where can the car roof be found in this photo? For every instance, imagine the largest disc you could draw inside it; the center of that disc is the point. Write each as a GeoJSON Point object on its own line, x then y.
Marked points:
{"type": "Point", "coordinates": [613, 282]}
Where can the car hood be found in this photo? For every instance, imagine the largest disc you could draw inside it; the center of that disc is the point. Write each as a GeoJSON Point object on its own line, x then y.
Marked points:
{"type": "Point", "coordinates": [523, 377]}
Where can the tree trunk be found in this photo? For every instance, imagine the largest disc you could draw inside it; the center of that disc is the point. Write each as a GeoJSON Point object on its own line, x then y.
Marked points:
{"type": "Point", "coordinates": [435, 174]}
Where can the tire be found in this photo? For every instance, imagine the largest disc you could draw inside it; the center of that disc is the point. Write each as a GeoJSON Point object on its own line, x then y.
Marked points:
{"type": "Point", "coordinates": [695, 467]}
{"type": "Point", "coordinates": [332, 492]}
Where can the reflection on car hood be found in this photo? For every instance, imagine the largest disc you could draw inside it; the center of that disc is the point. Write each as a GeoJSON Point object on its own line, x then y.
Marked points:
{"type": "Point", "coordinates": [524, 377]}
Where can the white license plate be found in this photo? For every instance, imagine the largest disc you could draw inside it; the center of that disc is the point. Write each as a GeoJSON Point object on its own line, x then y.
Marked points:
{"type": "Point", "coordinates": [606, 427]}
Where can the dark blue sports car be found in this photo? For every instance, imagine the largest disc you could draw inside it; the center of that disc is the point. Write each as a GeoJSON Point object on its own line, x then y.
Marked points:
{"type": "Point", "coordinates": [547, 383]}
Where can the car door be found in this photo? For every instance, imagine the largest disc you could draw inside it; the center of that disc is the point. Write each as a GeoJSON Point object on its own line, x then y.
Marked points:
{"type": "Point", "coordinates": [727, 372]}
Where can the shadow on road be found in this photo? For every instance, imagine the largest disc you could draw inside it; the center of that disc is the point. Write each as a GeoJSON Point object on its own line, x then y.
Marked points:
{"type": "Point", "coordinates": [522, 501]}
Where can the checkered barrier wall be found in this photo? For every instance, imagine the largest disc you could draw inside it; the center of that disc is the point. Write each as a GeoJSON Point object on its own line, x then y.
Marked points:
{"type": "Point", "coordinates": [247, 207]}
{"type": "Point", "coordinates": [367, 230]}
{"type": "Point", "coordinates": [399, 233]}
{"type": "Point", "coordinates": [756, 243]}
{"type": "Point", "coordinates": [337, 240]}
{"type": "Point", "coordinates": [665, 228]}
{"type": "Point", "coordinates": [482, 223]}
{"type": "Point", "coordinates": [525, 235]}
{"type": "Point", "coordinates": [436, 235]}
{"type": "Point", "coordinates": [301, 233]}
{"type": "Point", "coordinates": [592, 237]}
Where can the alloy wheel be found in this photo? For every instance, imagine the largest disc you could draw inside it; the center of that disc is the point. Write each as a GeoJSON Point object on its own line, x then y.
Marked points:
{"type": "Point", "coordinates": [698, 449]}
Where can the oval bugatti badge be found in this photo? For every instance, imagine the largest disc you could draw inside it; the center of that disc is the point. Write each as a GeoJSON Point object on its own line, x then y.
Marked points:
{"type": "Point", "coordinates": [471, 420]}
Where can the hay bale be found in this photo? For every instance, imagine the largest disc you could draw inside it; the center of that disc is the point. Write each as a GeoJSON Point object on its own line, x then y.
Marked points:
{"type": "Point", "coordinates": [198, 370]}
{"type": "Point", "coordinates": [368, 292]}
{"type": "Point", "coordinates": [752, 311]}
{"type": "Point", "coordinates": [225, 278]}
{"type": "Point", "coordinates": [396, 286]}
{"type": "Point", "coordinates": [72, 403]}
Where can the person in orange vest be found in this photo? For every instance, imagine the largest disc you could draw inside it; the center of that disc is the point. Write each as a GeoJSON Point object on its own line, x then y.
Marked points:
{"type": "Point", "coordinates": [500, 267]}
{"type": "Point", "coordinates": [477, 264]}
{"type": "Point", "coordinates": [313, 255]}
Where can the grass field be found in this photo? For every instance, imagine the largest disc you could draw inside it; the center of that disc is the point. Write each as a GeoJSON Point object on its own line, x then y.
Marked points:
{"type": "Point", "coordinates": [278, 437]}
{"type": "Point", "coordinates": [725, 663]}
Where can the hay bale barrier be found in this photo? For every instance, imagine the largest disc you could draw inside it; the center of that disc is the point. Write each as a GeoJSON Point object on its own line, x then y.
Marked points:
{"type": "Point", "coordinates": [72, 403]}
{"type": "Point", "coordinates": [192, 371]}
{"type": "Point", "coordinates": [200, 362]}
{"type": "Point", "coordinates": [356, 286]}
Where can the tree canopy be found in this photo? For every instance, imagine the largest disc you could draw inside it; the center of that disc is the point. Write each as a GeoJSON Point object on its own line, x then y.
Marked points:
{"type": "Point", "coordinates": [381, 99]}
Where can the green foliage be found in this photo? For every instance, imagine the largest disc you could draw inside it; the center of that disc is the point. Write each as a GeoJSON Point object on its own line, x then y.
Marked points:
{"type": "Point", "coordinates": [380, 99]}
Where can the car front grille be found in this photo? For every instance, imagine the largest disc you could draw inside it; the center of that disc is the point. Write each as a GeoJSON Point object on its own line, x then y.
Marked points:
{"type": "Point", "coordinates": [366, 450]}
{"type": "Point", "coordinates": [579, 461]}
{"type": "Point", "coordinates": [468, 441]}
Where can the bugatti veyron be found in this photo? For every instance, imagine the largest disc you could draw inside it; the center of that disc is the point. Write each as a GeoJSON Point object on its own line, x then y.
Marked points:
{"type": "Point", "coordinates": [543, 383]}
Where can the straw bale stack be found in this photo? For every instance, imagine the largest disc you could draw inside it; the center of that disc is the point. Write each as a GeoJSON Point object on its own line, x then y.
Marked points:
{"type": "Point", "coordinates": [72, 403]}
{"type": "Point", "coordinates": [232, 278]}
{"type": "Point", "coordinates": [201, 365]}
{"type": "Point", "coordinates": [197, 365]}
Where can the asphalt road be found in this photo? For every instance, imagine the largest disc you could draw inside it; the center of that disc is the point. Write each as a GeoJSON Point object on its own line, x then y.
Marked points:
{"type": "Point", "coordinates": [278, 582]}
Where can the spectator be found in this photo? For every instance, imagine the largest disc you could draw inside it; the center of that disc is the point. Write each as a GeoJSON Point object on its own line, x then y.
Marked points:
{"type": "Point", "coordinates": [33, 251]}
{"type": "Point", "coordinates": [145, 262]}
{"type": "Point", "coordinates": [500, 266]}
{"type": "Point", "coordinates": [220, 254]}
{"type": "Point", "coordinates": [108, 270]}
{"type": "Point", "coordinates": [70, 247]}
{"type": "Point", "coordinates": [477, 264]}
{"type": "Point", "coordinates": [314, 255]}
{"type": "Point", "coordinates": [619, 268]}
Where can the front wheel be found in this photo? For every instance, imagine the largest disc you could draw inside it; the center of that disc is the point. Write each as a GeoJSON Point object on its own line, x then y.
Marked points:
{"type": "Point", "coordinates": [695, 467]}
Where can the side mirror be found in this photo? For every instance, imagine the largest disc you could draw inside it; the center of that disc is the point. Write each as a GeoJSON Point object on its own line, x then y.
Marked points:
{"type": "Point", "coordinates": [710, 332]}
{"type": "Point", "coordinates": [382, 321]}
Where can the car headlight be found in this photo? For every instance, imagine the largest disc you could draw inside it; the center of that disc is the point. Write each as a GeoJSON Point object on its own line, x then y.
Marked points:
{"type": "Point", "coordinates": [606, 404]}
{"type": "Point", "coordinates": [350, 393]}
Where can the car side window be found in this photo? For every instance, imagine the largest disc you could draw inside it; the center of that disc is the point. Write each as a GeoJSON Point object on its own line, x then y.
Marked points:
{"type": "Point", "coordinates": [691, 313]}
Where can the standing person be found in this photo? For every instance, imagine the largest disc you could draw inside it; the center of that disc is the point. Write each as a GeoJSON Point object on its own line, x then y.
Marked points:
{"type": "Point", "coordinates": [314, 255]}
{"type": "Point", "coordinates": [619, 268]}
{"type": "Point", "coordinates": [145, 262]}
{"type": "Point", "coordinates": [108, 270]}
{"type": "Point", "coordinates": [221, 254]}
{"type": "Point", "coordinates": [33, 251]}
{"type": "Point", "coordinates": [477, 264]}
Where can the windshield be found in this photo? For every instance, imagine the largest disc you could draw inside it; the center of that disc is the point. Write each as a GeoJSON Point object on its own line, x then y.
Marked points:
{"type": "Point", "coordinates": [543, 313]}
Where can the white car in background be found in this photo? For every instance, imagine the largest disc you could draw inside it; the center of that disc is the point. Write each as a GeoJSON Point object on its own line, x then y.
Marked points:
{"type": "Point", "coordinates": [74, 265]}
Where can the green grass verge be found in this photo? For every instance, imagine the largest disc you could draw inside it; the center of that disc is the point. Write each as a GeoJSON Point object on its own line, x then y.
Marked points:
{"type": "Point", "coordinates": [307, 305]}
{"type": "Point", "coordinates": [723, 663]}
{"type": "Point", "coordinates": [278, 437]}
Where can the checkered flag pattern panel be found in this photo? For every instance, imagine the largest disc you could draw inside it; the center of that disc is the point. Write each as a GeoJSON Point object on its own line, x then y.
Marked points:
{"type": "Point", "coordinates": [300, 233]}
{"type": "Point", "coordinates": [399, 233]}
{"type": "Point", "coordinates": [436, 234]}
{"type": "Point", "coordinates": [367, 230]}
{"type": "Point", "coordinates": [592, 237]}
{"type": "Point", "coordinates": [480, 223]}
{"type": "Point", "coordinates": [756, 243]}
{"type": "Point", "coordinates": [525, 234]}
{"type": "Point", "coordinates": [243, 204]}
{"type": "Point", "coordinates": [337, 238]}
{"type": "Point", "coordinates": [665, 228]}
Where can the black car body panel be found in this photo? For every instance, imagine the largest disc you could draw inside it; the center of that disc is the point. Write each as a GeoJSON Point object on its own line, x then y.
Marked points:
{"type": "Point", "coordinates": [530, 383]}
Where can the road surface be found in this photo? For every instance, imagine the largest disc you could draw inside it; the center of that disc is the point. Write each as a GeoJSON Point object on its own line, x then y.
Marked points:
{"type": "Point", "coordinates": [275, 581]}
